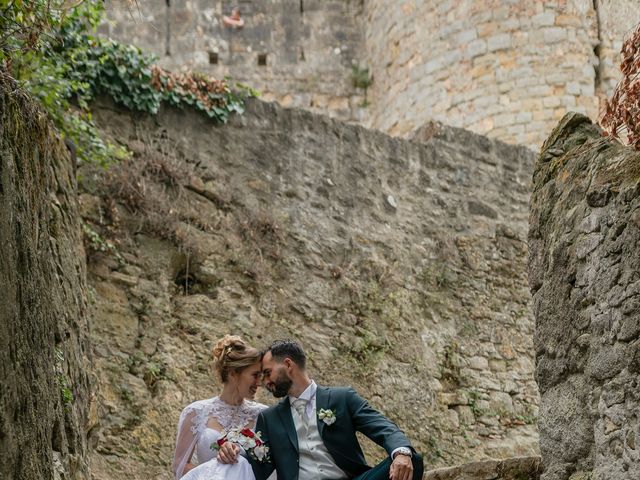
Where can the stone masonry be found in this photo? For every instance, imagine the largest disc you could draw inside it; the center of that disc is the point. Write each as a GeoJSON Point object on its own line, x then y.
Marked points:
{"type": "Point", "coordinates": [506, 69]}
{"type": "Point", "coordinates": [400, 265]}
{"type": "Point", "coordinates": [583, 272]}
{"type": "Point", "coordinates": [44, 352]}
{"type": "Point", "coordinates": [296, 52]}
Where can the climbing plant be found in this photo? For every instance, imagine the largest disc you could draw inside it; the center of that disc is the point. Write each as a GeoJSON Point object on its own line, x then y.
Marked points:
{"type": "Point", "coordinates": [50, 48]}
{"type": "Point", "coordinates": [361, 78]}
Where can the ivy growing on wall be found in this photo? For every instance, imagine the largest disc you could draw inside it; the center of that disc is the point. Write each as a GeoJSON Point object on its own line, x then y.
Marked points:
{"type": "Point", "coordinates": [52, 51]}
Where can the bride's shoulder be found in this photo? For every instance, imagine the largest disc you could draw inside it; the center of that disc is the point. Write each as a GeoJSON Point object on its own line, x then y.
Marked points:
{"type": "Point", "coordinates": [255, 406]}
{"type": "Point", "coordinates": [198, 406]}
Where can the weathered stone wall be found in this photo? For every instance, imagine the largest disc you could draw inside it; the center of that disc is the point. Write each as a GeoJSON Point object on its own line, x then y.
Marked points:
{"type": "Point", "coordinates": [509, 70]}
{"type": "Point", "coordinates": [309, 45]}
{"type": "Point", "coordinates": [44, 388]}
{"type": "Point", "coordinates": [584, 263]}
{"type": "Point", "coordinates": [519, 468]}
{"type": "Point", "coordinates": [400, 265]}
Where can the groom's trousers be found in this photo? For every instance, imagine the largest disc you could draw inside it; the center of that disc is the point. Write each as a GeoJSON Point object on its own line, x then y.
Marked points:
{"type": "Point", "coordinates": [381, 471]}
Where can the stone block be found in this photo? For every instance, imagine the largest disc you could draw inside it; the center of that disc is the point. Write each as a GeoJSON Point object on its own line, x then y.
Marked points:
{"type": "Point", "coordinates": [497, 364]}
{"type": "Point", "coordinates": [544, 19]}
{"type": "Point", "coordinates": [524, 117]}
{"type": "Point", "coordinates": [574, 88]}
{"type": "Point", "coordinates": [465, 415]}
{"type": "Point", "coordinates": [500, 41]}
{"type": "Point", "coordinates": [550, 102]}
{"type": "Point", "coordinates": [554, 35]}
{"type": "Point", "coordinates": [466, 37]}
{"type": "Point", "coordinates": [478, 363]}
{"type": "Point", "coordinates": [504, 119]}
{"type": "Point", "coordinates": [475, 48]}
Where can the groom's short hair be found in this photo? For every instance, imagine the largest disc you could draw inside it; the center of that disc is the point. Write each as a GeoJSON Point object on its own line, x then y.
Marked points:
{"type": "Point", "coordinates": [281, 349]}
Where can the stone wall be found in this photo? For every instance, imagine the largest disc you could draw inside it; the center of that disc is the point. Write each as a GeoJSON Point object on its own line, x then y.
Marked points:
{"type": "Point", "coordinates": [584, 263]}
{"type": "Point", "coordinates": [519, 468]}
{"type": "Point", "coordinates": [509, 70]}
{"type": "Point", "coordinates": [308, 45]}
{"type": "Point", "coordinates": [400, 265]}
{"type": "Point", "coordinates": [44, 387]}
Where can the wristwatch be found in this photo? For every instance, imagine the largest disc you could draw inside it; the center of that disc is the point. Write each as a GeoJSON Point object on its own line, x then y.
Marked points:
{"type": "Point", "coordinates": [402, 451]}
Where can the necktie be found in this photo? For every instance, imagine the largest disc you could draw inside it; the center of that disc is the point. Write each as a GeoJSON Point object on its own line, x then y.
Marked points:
{"type": "Point", "coordinates": [300, 404]}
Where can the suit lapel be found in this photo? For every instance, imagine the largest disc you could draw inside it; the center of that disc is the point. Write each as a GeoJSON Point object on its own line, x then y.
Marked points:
{"type": "Point", "coordinates": [322, 401]}
{"type": "Point", "coordinates": [284, 411]}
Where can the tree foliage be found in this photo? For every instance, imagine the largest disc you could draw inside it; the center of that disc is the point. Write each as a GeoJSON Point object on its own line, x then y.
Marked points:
{"type": "Point", "coordinates": [621, 115]}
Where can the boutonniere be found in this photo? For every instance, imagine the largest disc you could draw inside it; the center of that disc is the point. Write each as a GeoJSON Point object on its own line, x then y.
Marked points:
{"type": "Point", "coordinates": [327, 416]}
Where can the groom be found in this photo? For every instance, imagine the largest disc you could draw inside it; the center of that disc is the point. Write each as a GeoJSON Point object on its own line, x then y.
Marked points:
{"type": "Point", "coordinates": [311, 433]}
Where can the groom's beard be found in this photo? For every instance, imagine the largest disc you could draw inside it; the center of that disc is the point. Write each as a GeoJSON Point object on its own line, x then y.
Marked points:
{"type": "Point", "coordinates": [281, 386]}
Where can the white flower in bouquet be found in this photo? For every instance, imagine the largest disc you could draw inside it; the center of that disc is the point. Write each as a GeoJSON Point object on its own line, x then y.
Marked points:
{"type": "Point", "coordinates": [247, 439]}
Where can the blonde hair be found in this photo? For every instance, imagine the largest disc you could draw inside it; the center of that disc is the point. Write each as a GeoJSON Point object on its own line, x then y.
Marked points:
{"type": "Point", "coordinates": [232, 354]}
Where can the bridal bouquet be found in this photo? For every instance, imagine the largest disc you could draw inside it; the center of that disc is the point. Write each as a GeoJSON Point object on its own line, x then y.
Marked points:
{"type": "Point", "coordinates": [246, 438]}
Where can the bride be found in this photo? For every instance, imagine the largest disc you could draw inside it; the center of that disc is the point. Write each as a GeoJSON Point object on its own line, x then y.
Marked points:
{"type": "Point", "coordinates": [202, 422]}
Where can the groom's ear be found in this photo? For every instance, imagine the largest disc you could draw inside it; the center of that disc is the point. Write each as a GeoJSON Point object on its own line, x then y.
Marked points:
{"type": "Point", "coordinates": [288, 363]}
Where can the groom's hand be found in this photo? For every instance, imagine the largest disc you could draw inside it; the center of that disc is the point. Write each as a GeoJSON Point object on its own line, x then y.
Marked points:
{"type": "Point", "coordinates": [228, 453]}
{"type": "Point", "coordinates": [401, 468]}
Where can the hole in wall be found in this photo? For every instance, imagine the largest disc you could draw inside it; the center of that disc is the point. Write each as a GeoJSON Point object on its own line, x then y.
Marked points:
{"type": "Point", "coordinates": [57, 439]}
{"type": "Point", "coordinates": [262, 59]}
{"type": "Point", "coordinates": [185, 280]}
{"type": "Point", "coordinates": [191, 279]}
{"type": "Point", "coordinates": [598, 75]}
{"type": "Point", "coordinates": [167, 27]}
{"type": "Point", "coordinates": [213, 58]}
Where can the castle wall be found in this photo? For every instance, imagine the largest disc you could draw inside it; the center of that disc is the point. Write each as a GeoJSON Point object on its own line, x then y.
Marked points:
{"type": "Point", "coordinates": [400, 265]}
{"type": "Point", "coordinates": [509, 70]}
{"type": "Point", "coordinates": [45, 398]}
{"type": "Point", "coordinates": [584, 235]}
{"type": "Point", "coordinates": [309, 46]}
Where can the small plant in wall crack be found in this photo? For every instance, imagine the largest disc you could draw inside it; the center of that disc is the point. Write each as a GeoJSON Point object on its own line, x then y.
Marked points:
{"type": "Point", "coordinates": [96, 243]}
{"type": "Point", "coordinates": [66, 395]}
{"type": "Point", "coordinates": [361, 78]}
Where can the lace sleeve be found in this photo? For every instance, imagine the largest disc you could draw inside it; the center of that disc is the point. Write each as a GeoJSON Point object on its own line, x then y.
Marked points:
{"type": "Point", "coordinates": [189, 430]}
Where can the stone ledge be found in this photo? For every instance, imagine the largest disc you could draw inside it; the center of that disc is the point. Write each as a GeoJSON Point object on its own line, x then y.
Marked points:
{"type": "Point", "coordinates": [517, 468]}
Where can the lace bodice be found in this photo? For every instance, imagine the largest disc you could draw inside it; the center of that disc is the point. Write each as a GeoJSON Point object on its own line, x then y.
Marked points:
{"type": "Point", "coordinates": [194, 437]}
{"type": "Point", "coordinates": [229, 416]}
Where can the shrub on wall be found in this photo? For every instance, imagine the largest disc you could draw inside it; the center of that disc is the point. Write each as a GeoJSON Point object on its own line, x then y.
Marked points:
{"type": "Point", "coordinates": [52, 52]}
{"type": "Point", "coordinates": [621, 116]}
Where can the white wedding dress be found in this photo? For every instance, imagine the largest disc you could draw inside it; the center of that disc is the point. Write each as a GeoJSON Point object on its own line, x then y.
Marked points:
{"type": "Point", "coordinates": [193, 443]}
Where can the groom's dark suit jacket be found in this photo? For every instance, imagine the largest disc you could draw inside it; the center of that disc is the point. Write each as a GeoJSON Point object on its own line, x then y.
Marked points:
{"type": "Point", "coordinates": [353, 414]}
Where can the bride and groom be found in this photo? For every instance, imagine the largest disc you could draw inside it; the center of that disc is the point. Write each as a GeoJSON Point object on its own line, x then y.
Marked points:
{"type": "Point", "coordinates": [310, 434]}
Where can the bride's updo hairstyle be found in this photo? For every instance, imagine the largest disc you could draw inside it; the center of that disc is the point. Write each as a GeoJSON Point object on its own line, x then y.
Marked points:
{"type": "Point", "coordinates": [231, 354]}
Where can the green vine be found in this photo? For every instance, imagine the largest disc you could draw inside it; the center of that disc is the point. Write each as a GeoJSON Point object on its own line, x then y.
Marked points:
{"type": "Point", "coordinates": [55, 55]}
{"type": "Point", "coordinates": [66, 395]}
